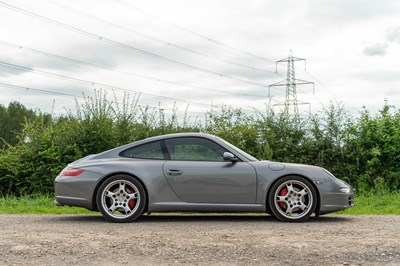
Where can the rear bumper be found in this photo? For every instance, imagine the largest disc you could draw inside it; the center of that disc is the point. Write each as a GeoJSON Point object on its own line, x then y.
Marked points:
{"type": "Point", "coordinates": [73, 201]}
{"type": "Point", "coordinates": [76, 191]}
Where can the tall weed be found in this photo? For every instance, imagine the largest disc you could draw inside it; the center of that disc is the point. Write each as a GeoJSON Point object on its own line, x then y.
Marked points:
{"type": "Point", "coordinates": [364, 151]}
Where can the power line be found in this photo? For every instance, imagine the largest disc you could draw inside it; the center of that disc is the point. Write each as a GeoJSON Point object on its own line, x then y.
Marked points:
{"type": "Point", "coordinates": [102, 85]}
{"type": "Point", "coordinates": [11, 86]}
{"type": "Point", "coordinates": [291, 85]}
{"type": "Point", "coordinates": [130, 30]}
{"type": "Point", "coordinates": [119, 44]}
{"type": "Point", "coordinates": [92, 83]}
{"type": "Point", "coordinates": [324, 86]}
{"type": "Point", "coordinates": [327, 89]}
{"type": "Point", "coordinates": [230, 47]}
{"type": "Point", "coordinates": [41, 91]}
{"type": "Point", "coordinates": [98, 66]}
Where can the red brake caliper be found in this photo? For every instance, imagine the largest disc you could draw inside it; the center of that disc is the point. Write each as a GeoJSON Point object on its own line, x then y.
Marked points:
{"type": "Point", "coordinates": [131, 203]}
{"type": "Point", "coordinates": [283, 193]}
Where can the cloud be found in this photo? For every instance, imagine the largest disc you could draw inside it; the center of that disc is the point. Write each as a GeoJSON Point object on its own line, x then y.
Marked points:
{"type": "Point", "coordinates": [7, 67]}
{"type": "Point", "coordinates": [342, 11]}
{"type": "Point", "coordinates": [393, 34]}
{"type": "Point", "coordinates": [377, 76]}
{"type": "Point", "coordinates": [375, 49]}
{"type": "Point", "coordinates": [6, 71]}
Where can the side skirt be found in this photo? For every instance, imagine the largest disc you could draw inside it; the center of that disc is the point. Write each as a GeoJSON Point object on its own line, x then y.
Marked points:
{"type": "Point", "coordinates": [205, 207]}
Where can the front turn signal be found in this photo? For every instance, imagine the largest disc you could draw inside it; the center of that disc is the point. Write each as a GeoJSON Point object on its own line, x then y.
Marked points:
{"type": "Point", "coordinates": [345, 189]}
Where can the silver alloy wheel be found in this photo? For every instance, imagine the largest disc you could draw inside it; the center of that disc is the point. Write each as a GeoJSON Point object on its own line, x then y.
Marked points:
{"type": "Point", "coordinates": [293, 199]}
{"type": "Point", "coordinates": [120, 199]}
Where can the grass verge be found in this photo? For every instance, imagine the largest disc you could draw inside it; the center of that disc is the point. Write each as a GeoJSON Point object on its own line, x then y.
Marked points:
{"type": "Point", "coordinates": [380, 203]}
{"type": "Point", "coordinates": [42, 204]}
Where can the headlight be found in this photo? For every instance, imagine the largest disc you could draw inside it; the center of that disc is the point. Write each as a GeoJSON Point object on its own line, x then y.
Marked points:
{"type": "Point", "coordinates": [345, 189]}
{"type": "Point", "coordinates": [329, 174]}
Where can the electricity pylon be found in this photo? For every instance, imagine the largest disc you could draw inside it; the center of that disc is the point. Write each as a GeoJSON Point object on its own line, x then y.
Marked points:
{"type": "Point", "coordinates": [291, 103]}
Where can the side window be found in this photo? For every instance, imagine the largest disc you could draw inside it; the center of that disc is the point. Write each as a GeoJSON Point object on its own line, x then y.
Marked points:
{"type": "Point", "coordinates": [194, 149]}
{"type": "Point", "coordinates": [146, 151]}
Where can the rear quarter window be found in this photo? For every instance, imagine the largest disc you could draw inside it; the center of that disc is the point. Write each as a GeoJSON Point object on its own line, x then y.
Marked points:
{"type": "Point", "coordinates": [150, 150]}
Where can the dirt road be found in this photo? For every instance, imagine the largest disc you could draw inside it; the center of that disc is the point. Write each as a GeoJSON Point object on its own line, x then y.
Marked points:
{"type": "Point", "coordinates": [199, 240]}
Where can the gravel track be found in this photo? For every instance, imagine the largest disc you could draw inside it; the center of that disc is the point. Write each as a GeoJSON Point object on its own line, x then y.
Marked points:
{"type": "Point", "coordinates": [199, 240]}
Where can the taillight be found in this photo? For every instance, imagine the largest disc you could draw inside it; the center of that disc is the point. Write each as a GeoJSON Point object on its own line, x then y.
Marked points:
{"type": "Point", "coordinates": [71, 172]}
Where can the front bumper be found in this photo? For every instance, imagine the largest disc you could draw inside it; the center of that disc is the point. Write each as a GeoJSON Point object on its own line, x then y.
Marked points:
{"type": "Point", "coordinates": [333, 199]}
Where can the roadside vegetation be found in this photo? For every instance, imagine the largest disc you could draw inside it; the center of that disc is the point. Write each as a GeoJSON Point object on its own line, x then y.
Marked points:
{"type": "Point", "coordinates": [364, 150]}
{"type": "Point", "coordinates": [38, 204]}
{"type": "Point", "coordinates": [376, 203]}
{"type": "Point", "coordinates": [382, 203]}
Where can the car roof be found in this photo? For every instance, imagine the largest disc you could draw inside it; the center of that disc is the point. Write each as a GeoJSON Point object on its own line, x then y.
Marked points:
{"type": "Point", "coordinates": [175, 135]}
{"type": "Point", "coordinates": [112, 153]}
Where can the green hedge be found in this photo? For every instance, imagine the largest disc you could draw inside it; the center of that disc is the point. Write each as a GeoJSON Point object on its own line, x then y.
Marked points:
{"type": "Point", "coordinates": [364, 151]}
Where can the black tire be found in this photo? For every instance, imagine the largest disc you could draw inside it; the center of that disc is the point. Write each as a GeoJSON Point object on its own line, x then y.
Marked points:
{"type": "Point", "coordinates": [292, 199]}
{"type": "Point", "coordinates": [268, 210]}
{"type": "Point", "coordinates": [121, 199]}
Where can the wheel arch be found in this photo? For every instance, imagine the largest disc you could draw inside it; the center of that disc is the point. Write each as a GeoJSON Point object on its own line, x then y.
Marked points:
{"type": "Point", "coordinates": [318, 206]}
{"type": "Point", "coordinates": [104, 178]}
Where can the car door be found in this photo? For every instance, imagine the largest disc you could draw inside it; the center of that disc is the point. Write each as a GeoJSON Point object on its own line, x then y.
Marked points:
{"type": "Point", "coordinates": [197, 173]}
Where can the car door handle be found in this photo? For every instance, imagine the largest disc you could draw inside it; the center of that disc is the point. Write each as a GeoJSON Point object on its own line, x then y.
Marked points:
{"type": "Point", "coordinates": [174, 172]}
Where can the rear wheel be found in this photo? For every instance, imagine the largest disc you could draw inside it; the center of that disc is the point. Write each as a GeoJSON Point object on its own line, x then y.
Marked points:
{"type": "Point", "coordinates": [121, 199]}
{"type": "Point", "coordinates": [292, 199]}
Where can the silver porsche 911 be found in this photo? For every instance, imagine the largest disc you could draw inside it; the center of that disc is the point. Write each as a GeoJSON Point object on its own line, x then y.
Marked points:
{"type": "Point", "coordinates": [198, 173]}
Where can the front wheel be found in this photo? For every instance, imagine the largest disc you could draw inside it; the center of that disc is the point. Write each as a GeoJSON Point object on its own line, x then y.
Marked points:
{"type": "Point", "coordinates": [292, 199]}
{"type": "Point", "coordinates": [121, 199]}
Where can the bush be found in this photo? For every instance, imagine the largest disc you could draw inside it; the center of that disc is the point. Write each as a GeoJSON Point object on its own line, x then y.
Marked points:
{"type": "Point", "coordinates": [364, 151]}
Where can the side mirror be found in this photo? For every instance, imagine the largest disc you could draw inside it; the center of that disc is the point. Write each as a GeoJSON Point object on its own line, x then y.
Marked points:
{"type": "Point", "coordinates": [229, 157]}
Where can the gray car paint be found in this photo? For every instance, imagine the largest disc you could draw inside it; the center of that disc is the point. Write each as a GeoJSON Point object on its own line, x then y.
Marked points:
{"type": "Point", "coordinates": [203, 186]}
{"type": "Point", "coordinates": [213, 182]}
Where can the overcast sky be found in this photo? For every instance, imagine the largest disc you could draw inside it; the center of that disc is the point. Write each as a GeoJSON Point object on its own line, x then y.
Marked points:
{"type": "Point", "coordinates": [199, 53]}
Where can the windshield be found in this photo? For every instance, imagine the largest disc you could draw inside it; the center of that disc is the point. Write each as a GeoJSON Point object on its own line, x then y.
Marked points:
{"type": "Point", "coordinates": [243, 153]}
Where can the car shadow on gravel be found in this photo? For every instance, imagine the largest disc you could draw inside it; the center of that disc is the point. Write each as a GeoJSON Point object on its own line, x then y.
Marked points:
{"type": "Point", "coordinates": [176, 217]}
{"type": "Point", "coordinates": [230, 218]}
